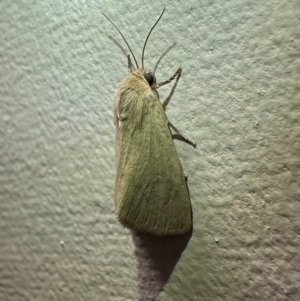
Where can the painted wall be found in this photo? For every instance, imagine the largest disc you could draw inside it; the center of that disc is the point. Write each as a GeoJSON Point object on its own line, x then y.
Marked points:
{"type": "Point", "coordinates": [238, 98]}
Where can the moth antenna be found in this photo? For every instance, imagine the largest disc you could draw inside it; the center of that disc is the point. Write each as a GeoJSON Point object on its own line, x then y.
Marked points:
{"type": "Point", "coordinates": [149, 36]}
{"type": "Point", "coordinates": [137, 65]}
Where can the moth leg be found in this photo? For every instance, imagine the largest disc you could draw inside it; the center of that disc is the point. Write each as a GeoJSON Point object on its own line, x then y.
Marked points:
{"type": "Point", "coordinates": [129, 64]}
{"type": "Point", "coordinates": [176, 74]}
{"type": "Point", "coordinates": [188, 191]}
{"type": "Point", "coordinates": [187, 186]}
{"type": "Point", "coordinates": [180, 136]}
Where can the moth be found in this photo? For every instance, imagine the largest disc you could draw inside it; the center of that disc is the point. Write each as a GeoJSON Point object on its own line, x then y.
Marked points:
{"type": "Point", "coordinates": [151, 193]}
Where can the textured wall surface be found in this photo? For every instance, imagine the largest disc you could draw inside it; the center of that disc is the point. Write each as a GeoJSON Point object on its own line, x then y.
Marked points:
{"type": "Point", "coordinates": [238, 97]}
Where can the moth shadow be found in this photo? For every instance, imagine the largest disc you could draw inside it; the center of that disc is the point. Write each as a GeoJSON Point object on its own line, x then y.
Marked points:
{"type": "Point", "coordinates": [157, 257]}
{"type": "Point", "coordinates": [118, 45]}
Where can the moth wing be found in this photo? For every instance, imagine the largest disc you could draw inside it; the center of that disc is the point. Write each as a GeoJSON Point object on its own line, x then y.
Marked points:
{"type": "Point", "coordinates": [151, 193]}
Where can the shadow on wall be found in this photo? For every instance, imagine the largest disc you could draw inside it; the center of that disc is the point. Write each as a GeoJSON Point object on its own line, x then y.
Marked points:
{"type": "Point", "coordinates": [157, 257]}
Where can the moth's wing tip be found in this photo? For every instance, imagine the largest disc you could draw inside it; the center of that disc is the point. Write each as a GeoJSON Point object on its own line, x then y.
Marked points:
{"type": "Point", "coordinates": [154, 231]}
{"type": "Point", "coordinates": [161, 233]}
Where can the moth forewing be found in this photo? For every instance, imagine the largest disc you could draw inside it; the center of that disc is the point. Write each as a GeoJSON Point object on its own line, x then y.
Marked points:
{"type": "Point", "coordinates": [151, 193]}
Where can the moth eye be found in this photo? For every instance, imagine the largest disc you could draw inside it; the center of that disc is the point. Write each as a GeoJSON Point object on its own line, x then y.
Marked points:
{"type": "Point", "coordinates": [149, 78]}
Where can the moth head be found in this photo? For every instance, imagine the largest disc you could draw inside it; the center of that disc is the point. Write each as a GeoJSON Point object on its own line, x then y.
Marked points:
{"type": "Point", "coordinates": [149, 77]}
{"type": "Point", "coordinates": [146, 76]}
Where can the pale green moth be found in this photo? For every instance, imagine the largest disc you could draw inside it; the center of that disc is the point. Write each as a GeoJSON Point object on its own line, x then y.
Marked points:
{"type": "Point", "coordinates": [151, 193]}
